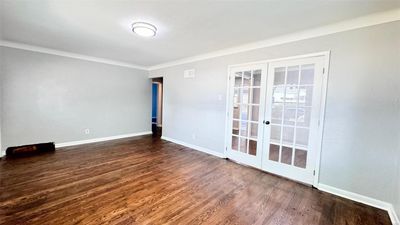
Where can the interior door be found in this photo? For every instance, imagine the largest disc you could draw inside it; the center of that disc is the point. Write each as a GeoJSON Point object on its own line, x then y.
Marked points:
{"type": "Point", "coordinates": [246, 99]}
{"type": "Point", "coordinates": [294, 89]}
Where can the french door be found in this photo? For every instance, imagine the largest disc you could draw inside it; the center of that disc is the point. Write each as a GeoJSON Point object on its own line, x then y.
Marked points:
{"type": "Point", "coordinates": [246, 110]}
{"type": "Point", "coordinates": [275, 121]}
{"type": "Point", "coordinates": [293, 101]}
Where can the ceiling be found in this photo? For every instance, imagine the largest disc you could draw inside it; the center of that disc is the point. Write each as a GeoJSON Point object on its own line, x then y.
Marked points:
{"type": "Point", "coordinates": [185, 28]}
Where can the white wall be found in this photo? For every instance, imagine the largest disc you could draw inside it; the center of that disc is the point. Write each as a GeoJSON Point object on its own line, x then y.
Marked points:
{"type": "Point", "coordinates": [54, 98]}
{"type": "Point", "coordinates": [359, 143]}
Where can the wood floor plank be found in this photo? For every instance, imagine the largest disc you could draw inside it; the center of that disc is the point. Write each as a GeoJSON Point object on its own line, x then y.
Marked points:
{"type": "Point", "coordinates": [146, 180]}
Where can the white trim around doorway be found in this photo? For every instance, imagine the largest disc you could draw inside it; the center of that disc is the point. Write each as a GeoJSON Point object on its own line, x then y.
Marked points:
{"type": "Point", "coordinates": [326, 55]}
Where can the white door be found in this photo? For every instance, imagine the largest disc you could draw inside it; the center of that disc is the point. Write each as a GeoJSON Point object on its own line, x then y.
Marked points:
{"type": "Point", "coordinates": [245, 113]}
{"type": "Point", "coordinates": [293, 103]}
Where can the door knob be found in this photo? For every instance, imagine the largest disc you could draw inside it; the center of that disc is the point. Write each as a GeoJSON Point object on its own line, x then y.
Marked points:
{"type": "Point", "coordinates": [266, 122]}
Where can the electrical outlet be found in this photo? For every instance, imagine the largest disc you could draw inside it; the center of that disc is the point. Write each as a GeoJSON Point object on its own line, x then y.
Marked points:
{"type": "Point", "coordinates": [87, 131]}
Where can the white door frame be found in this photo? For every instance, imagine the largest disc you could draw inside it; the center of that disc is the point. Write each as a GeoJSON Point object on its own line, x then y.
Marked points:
{"type": "Point", "coordinates": [326, 55]}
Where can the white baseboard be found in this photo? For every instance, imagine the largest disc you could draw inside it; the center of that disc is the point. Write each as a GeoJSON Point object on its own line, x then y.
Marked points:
{"type": "Point", "coordinates": [362, 199]}
{"type": "Point", "coordinates": [195, 147]}
{"type": "Point", "coordinates": [393, 216]}
{"type": "Point", "coordinates": [94, 140]}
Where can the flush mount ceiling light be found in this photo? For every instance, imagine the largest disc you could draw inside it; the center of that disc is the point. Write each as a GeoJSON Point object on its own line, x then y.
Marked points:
{"type": "Point", "coordinates": [144, 29]}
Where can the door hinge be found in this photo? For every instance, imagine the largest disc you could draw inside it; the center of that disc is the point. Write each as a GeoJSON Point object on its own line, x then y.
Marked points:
{"type": "Point", "coordinates": [313, 172]}
{"type": "Point", "coordinates": [323, 70]}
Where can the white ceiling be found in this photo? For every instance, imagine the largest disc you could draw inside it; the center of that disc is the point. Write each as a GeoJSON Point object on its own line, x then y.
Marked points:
{"type": "Point", "coordinates": [185, 28]}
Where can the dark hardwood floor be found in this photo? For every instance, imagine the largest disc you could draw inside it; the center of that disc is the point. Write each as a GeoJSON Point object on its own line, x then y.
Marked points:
{"type": "Point", "coordinates": [146, 180]}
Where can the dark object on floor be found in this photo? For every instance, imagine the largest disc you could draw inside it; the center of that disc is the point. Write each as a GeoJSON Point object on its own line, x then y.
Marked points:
{"type": "Point", "coordinates": [156, 130]}
{"type": "Point", "coordinates": [28, 150]}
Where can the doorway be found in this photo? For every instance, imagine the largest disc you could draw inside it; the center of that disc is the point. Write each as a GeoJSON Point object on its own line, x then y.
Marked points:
{"type": "Point", "coordinates": [274, 118]}
{"type": "Point", "coordinates": [157, 106]}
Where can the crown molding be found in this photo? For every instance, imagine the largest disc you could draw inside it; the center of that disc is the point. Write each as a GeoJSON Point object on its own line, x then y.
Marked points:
{"type": "Point", "coordinates": [352, 24]}
{"type": "Point", "coordinates": [33, 48]}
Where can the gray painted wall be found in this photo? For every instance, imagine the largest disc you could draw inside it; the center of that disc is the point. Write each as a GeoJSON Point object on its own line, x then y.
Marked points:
{"type": "Point", "coordinates": [53, 98]}
{"type": "Point", "coordinates": [1, 95]}
{"type": "Point", "coordinates": [397, 199]}
{"type": "Point", "coordinates": [397, 203]}
{"type": "Point", "coordinates": [359, 142]}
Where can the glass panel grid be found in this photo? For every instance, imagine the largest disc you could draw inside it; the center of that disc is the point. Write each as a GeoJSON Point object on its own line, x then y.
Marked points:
{"type": "Point", "coordinates": [246, 104]}
{"type": "Point", "coordinates": [290, 113]}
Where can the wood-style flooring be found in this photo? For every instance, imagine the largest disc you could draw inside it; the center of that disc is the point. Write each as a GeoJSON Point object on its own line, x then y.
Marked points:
{"type": "Point", "coordinates": [146, 180]}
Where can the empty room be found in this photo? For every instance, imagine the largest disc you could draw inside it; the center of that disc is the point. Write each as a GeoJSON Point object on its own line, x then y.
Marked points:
{"type": "Point", "coordinates": [276, 112]}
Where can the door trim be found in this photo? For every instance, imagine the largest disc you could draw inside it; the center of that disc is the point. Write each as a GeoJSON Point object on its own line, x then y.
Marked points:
{"type": "Point", "coordinates": [324, 89]}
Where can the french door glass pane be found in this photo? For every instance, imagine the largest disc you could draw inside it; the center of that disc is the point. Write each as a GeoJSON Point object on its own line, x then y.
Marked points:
{"type": "Point", "coordinates": [291, 96]}
{"type": "Point", "coordinates": [276, 114]}
{"type": "Point", "coordinates": [293, 75]}
{"type": "Point", "coordinates": [279, 77]}
{"type": "Point", "coordinates": [252, 147]}
{"type": "Point", "coordinates": [235, 127]}
{"type": "Point", "coordinates": [238, 79]}
{"type": "Point", "coordinates": [288, 135]}
{"type": "Point", "coordinates": [243, 128]}
{"type": "Point", "coordinates": [253, 130]}
{"type": "Point", "coordinates": [245, 96]}
{"type": "Point", "coordinates": [286, 156]}
{"type": "Point", "coordinates": [236, 96]}
{"type": "Point", "coordinates": [274, 152]}
{"type": "Point", "coordinates": [290, 116]}
{"type": "Point", "coordinates": [254, 112]}
{"type": "Point", "coordinates": [275, 134]}
{"type": "Point", "coordinates": [303, 117]}
{"type": "Point", "coordinates": [302, 136]}
{"type": "Point", "coordinates": [246, 78]}
{"type": "Point", "coordinates": [244, 112]}
{"type": "Point", "coordinates": [278, 94]}
{"type": "Point", "coordinates": [236, 111]}
{"type": "Point", "coordinates": [300, 158]}
{"type": "Point", "coordinates": [305, 95]}
{"type": "Point", "coordinates": [235, 143]}
{"type": "Point", "coordinates": [255, 96]}
{"type": "Point", "coordinates": [307, 74]}
{"type": "Point", "coordinates": [256, 78]}
{"type": "Point", "coordinates": [243, 145]}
